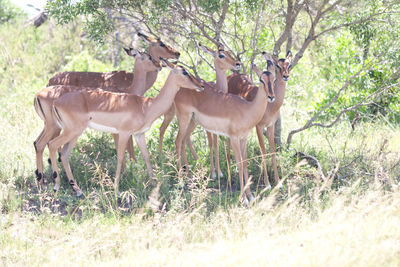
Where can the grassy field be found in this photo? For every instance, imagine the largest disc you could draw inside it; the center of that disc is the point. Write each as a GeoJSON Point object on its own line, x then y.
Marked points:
{"type": "Point", "coordinates": [351, 219]}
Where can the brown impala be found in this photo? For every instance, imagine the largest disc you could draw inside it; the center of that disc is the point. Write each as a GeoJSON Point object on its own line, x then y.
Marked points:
{"type": "Point", "coordinates": [119, 113]}
{"type": "Point", "coordinates": [240, 85]}
{"type": "Point", "coordinates": [225, 114]}
{"type": "Point", "coordinates": [120, 80]}
{"type": "Point", "coordinates": [223, 61]}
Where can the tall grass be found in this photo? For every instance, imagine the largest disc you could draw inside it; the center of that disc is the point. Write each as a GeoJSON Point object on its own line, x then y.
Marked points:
{"type": "Point", "coordinates": [350, 219]}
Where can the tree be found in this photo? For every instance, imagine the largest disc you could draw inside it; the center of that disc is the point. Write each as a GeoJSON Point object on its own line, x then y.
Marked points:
{"type": "Point", "coordinates": [7, 11]}
{"type": "Point", "coordinates": [246, 27]}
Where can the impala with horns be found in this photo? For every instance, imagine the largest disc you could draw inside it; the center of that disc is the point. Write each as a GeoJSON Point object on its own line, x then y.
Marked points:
{"type": "Point", "coordinates": [120, 113]}
{"type": "Point", "coordinates": [223, 61]}
{"type": "Point", "coordinates": [44, 99]}
{"type": "Point", "coordinates": [239, 84]}
{"type": "Point", "coordinates": [225, 114]}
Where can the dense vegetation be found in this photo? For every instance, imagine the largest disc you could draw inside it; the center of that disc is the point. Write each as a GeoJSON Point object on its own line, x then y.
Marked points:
{"type": "Point", "coordinates": [351, 219]}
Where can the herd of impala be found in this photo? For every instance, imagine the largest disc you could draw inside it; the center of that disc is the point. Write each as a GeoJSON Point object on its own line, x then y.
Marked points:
{"type": "Point", "coordinates": [114, 102]}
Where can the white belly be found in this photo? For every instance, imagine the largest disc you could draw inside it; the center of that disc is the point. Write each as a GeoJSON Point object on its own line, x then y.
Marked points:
{"type": "Point", "coordinates": [143, 130]}
{"type": "Point", "coordinates": [216, 132]}
{"type": "Point", "coordinates": [102, 128]}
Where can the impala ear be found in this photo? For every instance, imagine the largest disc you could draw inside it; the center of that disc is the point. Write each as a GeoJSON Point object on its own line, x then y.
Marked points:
{"type": "Point", "coordinates": [207, 50]}
{"type": "Point", "coordinates": [270, 60]}
{"type": "Point", "coordinates": [166, 63]}
{"type": "Point", "coordinates": [289, 56]}
{"type": "Point", "coordinates": [131, 51]}
{"type": "Point", "coordinates": [256, 70]}
{"type": "Point", "coordinates": [220, 46]}
{"type": "Point", "coordinates": [146, 39]}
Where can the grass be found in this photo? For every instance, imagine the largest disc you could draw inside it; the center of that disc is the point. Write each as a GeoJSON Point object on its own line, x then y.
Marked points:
{"type": "Point", "coordinates": [350, 220]}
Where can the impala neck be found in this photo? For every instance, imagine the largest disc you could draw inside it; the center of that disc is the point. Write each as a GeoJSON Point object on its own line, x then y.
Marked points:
{"type": "Point", "coordinates": [257, 107]}
{"type": "Point", "coordinates": [138, 83]}
{"type": "Point", "coordinates": [162, 102]}
{"type": "Point", "coordinates": [221, 80]}
{"type": "Point", "coordinates": [151, 78]}
{"type": "Point", "coordinates": [280, 89]}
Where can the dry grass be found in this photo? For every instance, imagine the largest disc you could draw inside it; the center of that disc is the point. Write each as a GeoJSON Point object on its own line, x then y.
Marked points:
{"type": "Point", "coordinates": [352, 222]}
{"type": "Point", "coordinates": [355, 227]}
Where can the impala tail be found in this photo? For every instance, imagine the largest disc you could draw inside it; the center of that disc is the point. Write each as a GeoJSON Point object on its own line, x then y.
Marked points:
{"type": "Point", "coordinates": [38, 108]}
{"type": "Point", "coordinates": [58, 117]}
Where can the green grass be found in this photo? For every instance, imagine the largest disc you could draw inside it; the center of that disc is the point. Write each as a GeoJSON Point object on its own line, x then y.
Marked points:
{"type": "Point", "coordinates": [352, 219]}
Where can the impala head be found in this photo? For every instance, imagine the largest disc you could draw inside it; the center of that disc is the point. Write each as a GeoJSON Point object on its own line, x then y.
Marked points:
{"type": "Point", "coordinates": [222, 59]}
{"type": "Point", "coordinates": [284, 65]}
{"type": "Point", "coordinates": [183, 78]}
{"type": "Point", "coordinates": [158, 49]}
{"type": "Point", "coordinates": [144, 61]}
{"type": "Point", "coordinates": [267, 79]}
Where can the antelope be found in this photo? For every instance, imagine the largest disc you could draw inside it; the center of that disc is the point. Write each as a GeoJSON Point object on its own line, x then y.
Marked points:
{"type": "Point", "coordinates": [44, 99]}
{"type": "Point", "coordinates": [239, 85]}
{"type": "Point", "coordinates": [223, 61]}
{"type": "Point", "coordinates": [120, 80]}
{"type": "Point", "coordinates": [226, 114]}
{"type": "Point", "coordinates": [120, 113]}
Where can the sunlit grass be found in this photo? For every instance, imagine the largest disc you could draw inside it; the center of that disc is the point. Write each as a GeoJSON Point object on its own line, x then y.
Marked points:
{"type": "Point", "coordinates": [350, 220]}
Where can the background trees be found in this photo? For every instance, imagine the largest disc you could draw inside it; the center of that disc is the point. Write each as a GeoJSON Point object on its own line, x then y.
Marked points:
{"type": "Point", "coordinates": [365, 32]}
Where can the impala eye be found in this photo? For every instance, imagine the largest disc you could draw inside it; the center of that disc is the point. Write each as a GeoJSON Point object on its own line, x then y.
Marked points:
{"type": "Point", "coordinates": [221, 55]}
{"type": "Point", "coordinates": [162, 44]}
{"type": "Point", "coordinates": [184, 72]}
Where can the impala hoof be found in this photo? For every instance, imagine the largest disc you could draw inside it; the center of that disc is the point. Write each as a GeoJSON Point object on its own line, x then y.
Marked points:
{"type": "Point", "coordinates": [252, 199]}
{"type": "Point", "coordinates": [213, 176]}
{"type": "Point", "coordinates": [79, 194]}
{"type": "Point", "coordinates": [56, 188]}
{"type": "Point", "coordinates": [245, 202]}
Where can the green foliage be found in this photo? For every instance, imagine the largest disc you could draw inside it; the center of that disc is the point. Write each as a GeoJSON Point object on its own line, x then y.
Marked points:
{"type": "Point", "coordinates": [8, 11]}
{"type": "Point", "coordinates": [84, 61]}
{"type": "Point", "coordinates": [192, 206]}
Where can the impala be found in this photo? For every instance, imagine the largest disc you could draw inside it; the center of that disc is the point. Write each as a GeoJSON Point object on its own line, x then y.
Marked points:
{"type": "Point", "coordinates": [225, 114]}
{"type": "Point", "coordinates": [239, 85]}
{"type": "Point", "coordinates": [44, 99]}
{"type": "Point", "coordinates": [120, 80]}
{"type": "Point", "coordinates": [121, 113]}
{"type": "Point", "coordinates": [223, 61]}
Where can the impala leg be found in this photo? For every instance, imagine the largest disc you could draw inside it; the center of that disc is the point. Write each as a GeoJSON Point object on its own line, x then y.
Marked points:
{"type": "Point", "coordinates": [210, 148]}
{"type": "Point", "coordinates": [141, 142]}
{"type": "Point", "coordinates": [65, 161]}
{"type": "Point", "coordinates": [243, 151]}
{"type": "Point", "coordinates": [186, 140]}
{"type": "Point", "coordinates": [259, 130]}
{"type": "Point", "coordinates": [191, 148]}
{"type": "Point", "coordinates": [122, 141]}
{"type": "Point", "coordinates": [65, 137]}
{"type": "Point", "coordinates": [167, 120]}
{"type": "Point", "coordinates": [130, 149]}
{"type": "Point", "coordinates": [239, 161]}
{"type": "Point", "coordinates": [216, 151]}
{"type": "Point", "coordinates": [40, 143]}
{"type": "Point", "coordinates": [116, 141]}
{"type": "Point", "coordinates": [271, 141]}
{"type": "Point", "coordinates": [183, 124]}
{"type": "Point", "coordinates": [228, 152]}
